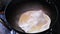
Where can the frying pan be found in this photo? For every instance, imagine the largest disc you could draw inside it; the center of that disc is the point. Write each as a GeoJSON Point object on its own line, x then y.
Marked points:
{"type": "Point", "coordinates": [16, 8]}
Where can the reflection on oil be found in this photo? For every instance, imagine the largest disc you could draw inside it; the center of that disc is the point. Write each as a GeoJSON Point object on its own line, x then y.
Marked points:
{"type": "Point", "coordinates": [34, 21]}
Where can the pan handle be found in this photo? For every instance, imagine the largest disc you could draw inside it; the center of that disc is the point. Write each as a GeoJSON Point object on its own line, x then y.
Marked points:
{"type": "Point", "coordinates": [5, 24]}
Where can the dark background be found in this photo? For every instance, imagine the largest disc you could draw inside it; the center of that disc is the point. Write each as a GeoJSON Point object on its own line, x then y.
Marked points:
{"type": "Point", "coordinates": [56, 28]}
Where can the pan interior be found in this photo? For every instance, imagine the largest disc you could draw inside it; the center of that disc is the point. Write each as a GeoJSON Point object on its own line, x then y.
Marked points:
{"type": "Point", "coordinates": [15, 12]}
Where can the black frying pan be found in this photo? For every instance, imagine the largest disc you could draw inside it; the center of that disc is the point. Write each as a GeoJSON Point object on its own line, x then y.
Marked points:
{"type": "Point", "coordinates": [16, 8]}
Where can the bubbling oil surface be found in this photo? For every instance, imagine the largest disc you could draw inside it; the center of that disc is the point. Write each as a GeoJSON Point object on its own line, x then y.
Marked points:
{"type": "Point", "coordinates": [34, 21]}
